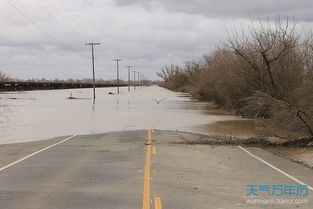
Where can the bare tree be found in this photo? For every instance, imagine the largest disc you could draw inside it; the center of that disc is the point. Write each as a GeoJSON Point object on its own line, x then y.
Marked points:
{"type": "Point", "coordinates": [4, 77]}
{"type": "Point", "coordinates": [264, 73]}
{"type": "Point", "coordinates": [263, 46]}
{"type": "Point", "coordinates": [293, 117]}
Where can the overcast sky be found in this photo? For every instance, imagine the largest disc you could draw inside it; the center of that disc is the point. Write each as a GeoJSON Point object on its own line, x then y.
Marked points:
{"type": "Point", "coordinates": [46, 38]}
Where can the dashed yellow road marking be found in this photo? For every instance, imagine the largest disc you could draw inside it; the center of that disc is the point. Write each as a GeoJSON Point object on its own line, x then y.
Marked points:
{"type": "Point", "coordinates": [146, 201]}
{"type": "Point", "coordinates": [154, 150]}
{"type": "Point", "coordinates": [157, 203]}
{"type": "Point", "coordinates": [149, 138]}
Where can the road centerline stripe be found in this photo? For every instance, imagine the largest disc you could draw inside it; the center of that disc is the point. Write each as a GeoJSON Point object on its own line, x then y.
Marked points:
{"type": "Point", "coordinates": [157, 203]}
{"type": "Point", "coordinates": [35, 153]}
{"type": "Point", "coordinates": [146, 185]}
{"type": "Point", "coordinates": [275, 168]}
{"type": "Point", "coordinates": [154, 150]}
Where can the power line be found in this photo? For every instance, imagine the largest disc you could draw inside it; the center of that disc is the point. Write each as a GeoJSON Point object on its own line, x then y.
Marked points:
{"type": "Point", "coordinates": [36, 25]}
{"type": "Point", "coordinates": [74, 25]}
{"type": "Point", "coordinates": [63, 16]}
{"type": "Point", "coordinates": [60, 22]}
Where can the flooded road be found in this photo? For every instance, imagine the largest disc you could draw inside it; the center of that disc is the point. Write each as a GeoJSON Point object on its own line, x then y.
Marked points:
{"type": "Point", "coordinates": [37, 115]}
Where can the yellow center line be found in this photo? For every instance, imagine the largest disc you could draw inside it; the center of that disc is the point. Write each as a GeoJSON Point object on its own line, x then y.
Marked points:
{"type": "Point", "coordinates": [149, 138]}
{"type": "Point", "coordinates": [157, 203]}
{"type": "Point", "coordinates": [146, 185]}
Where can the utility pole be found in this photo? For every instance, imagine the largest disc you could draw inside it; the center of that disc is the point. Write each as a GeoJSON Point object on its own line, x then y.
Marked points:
{"type": "Point", "coordinates": [129, 68]}
{"type": "Point", "coordinates": [134, 80]}
{"type": "Point", "coordinates": [138, 80]}
{"type": "Point", "coordinates": [142, 80]}
{"type": "Point", "coordinates": [92, 44]}
{"type": "Point", "coordinates": [117, 75]}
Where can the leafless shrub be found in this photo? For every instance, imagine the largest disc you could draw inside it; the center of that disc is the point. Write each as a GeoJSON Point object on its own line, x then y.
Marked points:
{"type": "Point", "coordinates": [177, 78]}
{"type": "Point", "coordinates": [270, 49]}
{"type": "Point", "coordinates": [294, 117]}
{"type": "Point", "coordinates": [266, 72]}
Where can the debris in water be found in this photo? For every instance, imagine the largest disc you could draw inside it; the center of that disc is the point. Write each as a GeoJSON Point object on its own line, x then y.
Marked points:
{"type": "Point", "coordinates": [71, 97]}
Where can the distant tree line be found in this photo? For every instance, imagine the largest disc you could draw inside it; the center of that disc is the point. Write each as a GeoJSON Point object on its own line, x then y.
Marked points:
{"type": "Point", "coordinates": [4, 77]}
{"type": "Point", "coordinates": [264, 72]}
{"type": "Point", "coordinates": [70, 80]}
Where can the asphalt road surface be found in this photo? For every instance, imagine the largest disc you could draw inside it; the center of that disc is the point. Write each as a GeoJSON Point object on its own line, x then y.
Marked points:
{"type": "Point", "coordinates": [147, 169]}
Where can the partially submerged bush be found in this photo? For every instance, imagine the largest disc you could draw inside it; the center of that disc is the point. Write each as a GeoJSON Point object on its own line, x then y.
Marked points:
{"type": "Point", "coordinates": [296, 115]}
{"type": "Point", "coordinates": [266, 72]}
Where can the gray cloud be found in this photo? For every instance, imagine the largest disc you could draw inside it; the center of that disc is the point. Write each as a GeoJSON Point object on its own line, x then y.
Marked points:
{"type": "Point", "coordinates": [146, 34]}
{"type": "Point", "coordinates": [299, 9]}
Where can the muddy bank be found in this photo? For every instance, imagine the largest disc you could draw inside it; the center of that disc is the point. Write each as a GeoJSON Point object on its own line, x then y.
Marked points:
{"type": "Point", "coordinates": [251, 141]}
{"type": "Point", "coordinates": [302, 155]}
{"type": "Point", "coordinates": [242, 128]}
{"type": "Point", "coordinates": [297, 151]}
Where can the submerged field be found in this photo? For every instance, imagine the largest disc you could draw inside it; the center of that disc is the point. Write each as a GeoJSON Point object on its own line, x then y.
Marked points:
{"type": "Point", "coordinates": [37, 115]}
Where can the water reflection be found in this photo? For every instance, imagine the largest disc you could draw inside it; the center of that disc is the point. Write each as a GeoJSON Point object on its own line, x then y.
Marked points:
{"type": "Point", "coordinates": [38, 115]}
{"type": "Point", "coordinates": [5, 112]}
{"type": "Point", "coordinates": [238, 128]}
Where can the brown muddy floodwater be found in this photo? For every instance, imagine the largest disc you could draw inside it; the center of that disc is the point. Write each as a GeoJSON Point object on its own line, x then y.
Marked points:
{"type": "Point", "coordinates": [37, 115]}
